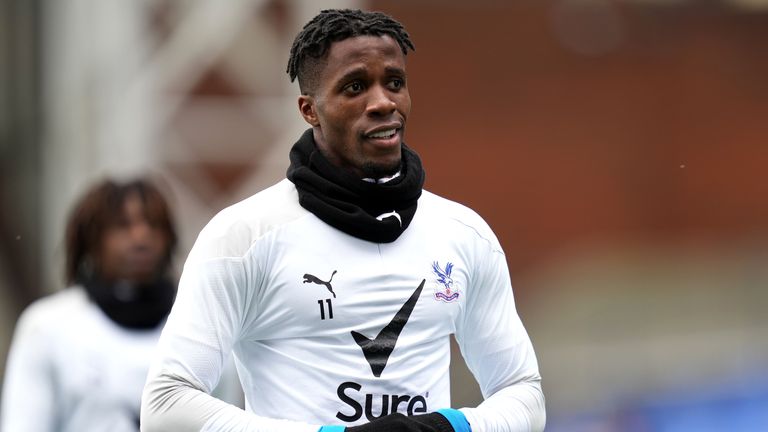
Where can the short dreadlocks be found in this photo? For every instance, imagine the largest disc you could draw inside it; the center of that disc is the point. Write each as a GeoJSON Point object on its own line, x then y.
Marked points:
{"type": "Point", "coordinates": [333, 25]}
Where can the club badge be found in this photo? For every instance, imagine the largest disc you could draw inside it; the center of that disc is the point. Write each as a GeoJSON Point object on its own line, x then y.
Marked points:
{"type": "Point", "coordinates": [444, 290]}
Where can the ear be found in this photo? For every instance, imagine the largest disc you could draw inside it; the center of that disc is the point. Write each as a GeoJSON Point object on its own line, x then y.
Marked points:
{"type": "Point", "coordinates": [308, 110]}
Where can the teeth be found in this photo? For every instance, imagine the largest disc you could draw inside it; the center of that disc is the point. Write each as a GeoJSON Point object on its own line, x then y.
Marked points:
{"type": "Point", "coordinates": [383, 134]}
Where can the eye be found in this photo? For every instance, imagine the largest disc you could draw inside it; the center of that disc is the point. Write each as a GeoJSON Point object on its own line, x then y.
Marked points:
{"type": "Point", "coordinates": [120, 221]}
{"type": "Point", "coordinates": [397, 83]}
{"type": "Point", "coordinates": [354, 87]}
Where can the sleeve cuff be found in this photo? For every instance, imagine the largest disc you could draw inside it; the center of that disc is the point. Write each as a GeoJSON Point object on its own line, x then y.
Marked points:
{"type": "Point", "coordinates": [332, 429]}
{"type": "Point", "coordinates": [456, 418]}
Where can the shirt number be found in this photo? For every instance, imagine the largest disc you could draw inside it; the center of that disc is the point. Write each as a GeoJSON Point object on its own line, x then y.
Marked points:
{"type": "Point", "coordinates": [322, 308]}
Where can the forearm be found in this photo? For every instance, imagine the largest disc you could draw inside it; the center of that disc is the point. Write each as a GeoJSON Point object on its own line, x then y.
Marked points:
{"type": "Point", "coordinates": [517, 408]}
{"type": "Point", "coordinates": [500, 355]}
{"type": "Point", "coordinates": [172, 403]}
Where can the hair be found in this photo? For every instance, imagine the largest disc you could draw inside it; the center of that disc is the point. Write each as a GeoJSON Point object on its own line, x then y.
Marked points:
{"type": "Point", "coordinates": [332, 25]}
{"type": "Point", "coordinates": [100, 209]}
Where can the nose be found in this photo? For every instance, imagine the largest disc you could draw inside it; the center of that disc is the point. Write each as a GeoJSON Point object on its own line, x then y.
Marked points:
{"type": "Point", "coordinates": [380, 102]}
{"type": "Point", "coordinates": [140, 230]}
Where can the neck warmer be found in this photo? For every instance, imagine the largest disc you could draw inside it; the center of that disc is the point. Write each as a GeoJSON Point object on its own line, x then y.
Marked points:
{"type": "Point", "coordinates": [376, 212]}
{"type": "Point", "coordinates": [133, 305]}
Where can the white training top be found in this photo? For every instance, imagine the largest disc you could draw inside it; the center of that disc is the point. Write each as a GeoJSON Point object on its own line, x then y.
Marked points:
{"type": "Point", "coordinates": [71, 368]}
{"type": "Point", "coordinates": [327, 328]}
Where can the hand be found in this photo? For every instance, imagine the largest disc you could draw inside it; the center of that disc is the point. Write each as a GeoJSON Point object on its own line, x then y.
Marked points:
{"type": "Point", "coordinates": [433, 422]}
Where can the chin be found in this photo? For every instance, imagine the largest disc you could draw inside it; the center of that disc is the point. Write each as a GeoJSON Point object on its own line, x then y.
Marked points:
{"type": "Point", "coordinates": [378, 170]}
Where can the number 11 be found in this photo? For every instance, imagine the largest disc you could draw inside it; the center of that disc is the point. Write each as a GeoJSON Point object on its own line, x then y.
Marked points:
{"type": "Point", "coordinates": [322, 309]}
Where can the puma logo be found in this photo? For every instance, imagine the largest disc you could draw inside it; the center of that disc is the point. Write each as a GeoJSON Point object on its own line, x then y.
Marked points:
{"type": "Point", "coordinates": [314, 279]}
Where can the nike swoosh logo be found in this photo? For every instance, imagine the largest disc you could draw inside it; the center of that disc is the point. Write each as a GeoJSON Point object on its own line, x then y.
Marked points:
{"type": "Point", "coordinates": [378, 350]}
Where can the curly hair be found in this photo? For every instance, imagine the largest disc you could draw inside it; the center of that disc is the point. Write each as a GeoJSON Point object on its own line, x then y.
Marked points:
{"type": "Point", "coordinates": [101, 208]}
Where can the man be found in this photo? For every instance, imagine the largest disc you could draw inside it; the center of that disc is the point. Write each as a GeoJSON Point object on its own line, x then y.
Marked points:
{"type": "Point", "coordinates": [337, 289]}
{"type": "Point", "coordinates": [79, 357]}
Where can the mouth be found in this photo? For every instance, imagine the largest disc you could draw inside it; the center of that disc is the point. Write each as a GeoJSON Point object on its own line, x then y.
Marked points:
{"type": "Point", "coordinates": [142, 259]}
{"type": "Point", "coordinates": [383, 134]}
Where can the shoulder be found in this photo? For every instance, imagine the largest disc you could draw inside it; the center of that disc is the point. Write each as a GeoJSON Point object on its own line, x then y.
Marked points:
{"type": "Point", "coordinates": [234, 229]}
{"type": "Point", "coordinates": [458, 216]}
{"type": "Point", "coordinates": [48, 313]}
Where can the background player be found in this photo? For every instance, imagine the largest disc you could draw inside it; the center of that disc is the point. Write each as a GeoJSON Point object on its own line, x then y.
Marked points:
{"type": "Point", "coordinates": [79, 357]}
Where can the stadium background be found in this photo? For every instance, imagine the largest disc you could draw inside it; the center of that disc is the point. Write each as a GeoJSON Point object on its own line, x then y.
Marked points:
{"type": "Point", "coordinates": [618, 148]}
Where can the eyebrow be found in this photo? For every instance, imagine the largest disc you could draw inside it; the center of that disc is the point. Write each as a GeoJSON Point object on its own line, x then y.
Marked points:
{"type": "Point", "coordinates": [361, 71]}
{"type": "Point", "coordinates": [351, 74]}
{"type": "Point", "coordinates": [391, 70]}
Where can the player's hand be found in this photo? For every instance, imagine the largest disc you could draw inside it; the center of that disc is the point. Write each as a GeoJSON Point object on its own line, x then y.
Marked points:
{"type": "Point", "coordinates": [397, 422]}
{"type": "Point", "coordinates": [444, 420]}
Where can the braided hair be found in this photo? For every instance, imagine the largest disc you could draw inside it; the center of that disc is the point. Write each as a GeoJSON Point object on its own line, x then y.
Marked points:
{"type": "Point", "coordinates": [333, 25]}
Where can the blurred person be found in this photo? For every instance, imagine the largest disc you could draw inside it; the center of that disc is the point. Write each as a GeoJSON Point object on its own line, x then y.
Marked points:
{"type": "Point", "coordinates": [79, 357]}
{"type": "Point", "coordinates": [336, 290]}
